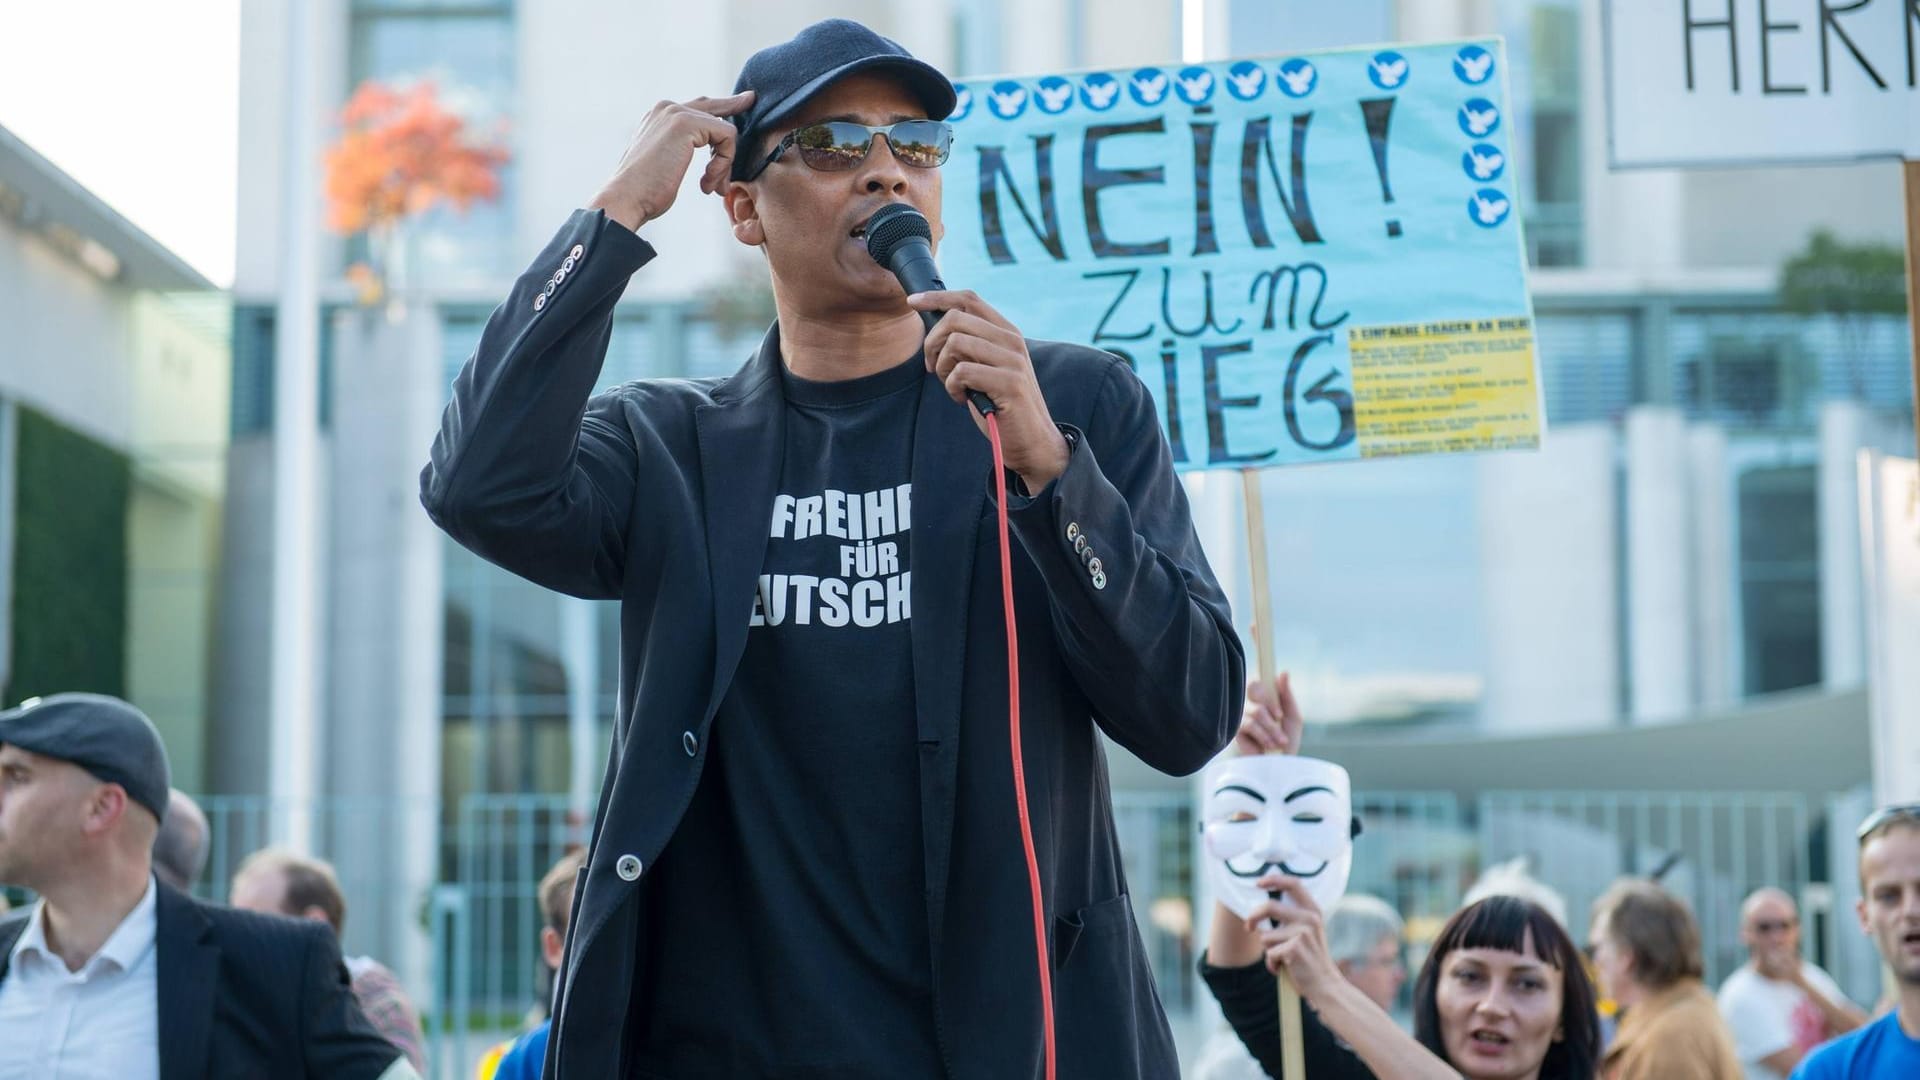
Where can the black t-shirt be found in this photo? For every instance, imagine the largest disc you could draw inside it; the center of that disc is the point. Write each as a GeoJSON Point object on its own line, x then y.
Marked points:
{"type": "Point", "coordinates": [787, 920]}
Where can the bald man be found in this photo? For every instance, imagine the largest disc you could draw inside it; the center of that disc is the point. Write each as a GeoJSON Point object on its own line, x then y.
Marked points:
{"type": "Point", "coordinates": [112, 972]}
{"type": "Point", "coordinates": [1778, 1005]}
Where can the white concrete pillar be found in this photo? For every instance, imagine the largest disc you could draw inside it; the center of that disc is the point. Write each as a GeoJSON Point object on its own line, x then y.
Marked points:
{"type": "Point", "coordinates": [1418, 21]}
{"type": "Point", "coordinates": [927, 34]}
{"type": "Point", "coordinates": [1034, 36]}
{"type": "Point", "coordinates": [293, 694]}
{"type": "Point", "coordinates": [1843, 433]}
{"type": "Point", "coordinates": [1660, 640]}
{"type": "Point", "coordinates": [580, 656]}
{"type": "Point", "coordinates": [1652, 200]}
{"type": "Point", "coordinates": [586, 93]}
{"type": "Point", "coordinates": [1548, 569]}
{"type": "Point", "coordinates": [387, 634]}
{"type": "Point", "coordinates": [1890, 522]}
{"type": "Point", "coordinates": [1716, 568]}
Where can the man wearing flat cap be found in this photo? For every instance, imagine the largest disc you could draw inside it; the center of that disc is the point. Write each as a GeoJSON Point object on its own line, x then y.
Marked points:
{"type": "Point", "coordinates": [112, 972]}
{"type": "Point", "coordinates": [807, 860]}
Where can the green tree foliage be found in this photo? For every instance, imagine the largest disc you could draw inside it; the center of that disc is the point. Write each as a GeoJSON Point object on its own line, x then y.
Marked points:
{"type": "Point", "coordinates": [1853, 283]}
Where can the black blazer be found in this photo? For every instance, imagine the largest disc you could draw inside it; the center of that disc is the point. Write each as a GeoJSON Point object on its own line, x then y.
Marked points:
{"type": "Point", "coordinates": [657, 493]}
{"type": "Point", "coordinates": [245, 996]}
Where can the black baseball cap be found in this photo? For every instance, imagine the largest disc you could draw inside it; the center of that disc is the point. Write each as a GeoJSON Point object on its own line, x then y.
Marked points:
{"type": "Point", "coordinates": [103, 735]}
{"type": "Point", "coordinates": [782, 77]}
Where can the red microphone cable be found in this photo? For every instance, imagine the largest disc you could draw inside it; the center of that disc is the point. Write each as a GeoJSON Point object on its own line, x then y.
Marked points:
{"type": "Point", "coordinates": [1019, 771]}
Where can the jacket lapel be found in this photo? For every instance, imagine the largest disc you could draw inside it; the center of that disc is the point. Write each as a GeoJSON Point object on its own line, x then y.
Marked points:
{"type": "Point", "coordinates": [10, 931]}
{"type": "Point", "coordinates": [742, 447]}
{"type": "Point", "coordinates": [951, 466]}
{"type": "Point", "coordinates": [188, 962]}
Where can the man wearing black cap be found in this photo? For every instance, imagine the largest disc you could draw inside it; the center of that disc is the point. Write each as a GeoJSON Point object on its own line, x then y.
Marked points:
{"type": "Point", "coordinates": [807, 860]}
{"type": "Point", "coordinates": [111, 972]}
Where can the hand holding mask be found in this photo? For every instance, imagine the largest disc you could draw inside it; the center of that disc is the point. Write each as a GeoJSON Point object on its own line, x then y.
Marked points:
{"type": "Point", "coordinates": [1277, 812]}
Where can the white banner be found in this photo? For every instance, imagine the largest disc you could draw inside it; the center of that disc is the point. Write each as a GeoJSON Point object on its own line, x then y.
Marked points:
{"type": "Point", "coordinates": [1739, 82]}
{"type": "Point", "coordinates": [1890, 535]}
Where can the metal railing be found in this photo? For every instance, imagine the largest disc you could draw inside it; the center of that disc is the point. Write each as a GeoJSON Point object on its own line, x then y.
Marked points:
{"type": "Point", "coordinates": [477, 972]}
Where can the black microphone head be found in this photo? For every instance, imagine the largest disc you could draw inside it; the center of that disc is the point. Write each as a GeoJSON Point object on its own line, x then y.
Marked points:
{"type": "Point", "coordinates": [892, 224]}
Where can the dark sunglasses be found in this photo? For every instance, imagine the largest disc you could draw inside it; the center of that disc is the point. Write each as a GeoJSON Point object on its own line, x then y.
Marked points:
{"type": "Point", "coordinates": [839, 145]}
{"type": "Point", "coordinates": [1885, 816]}
{"type": "Point", "coordinates": [1774, 926]}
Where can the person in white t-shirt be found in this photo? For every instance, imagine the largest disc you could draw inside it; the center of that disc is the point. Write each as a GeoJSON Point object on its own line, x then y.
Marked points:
{"type": "Point", "coordinates": [1777, 1005]}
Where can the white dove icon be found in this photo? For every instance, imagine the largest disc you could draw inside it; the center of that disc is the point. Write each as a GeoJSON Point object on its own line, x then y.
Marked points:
{"type": "Point", "coordinates": [1489, 211]}
{"type": "Point", "coordinates": [1009, 102]}
{"type": "Point", "coordinates": [962, 102]}
{"type": "Point", "coordinates": [1100, 95]}
{"type": "Point", "coordinates": [1299, 80]}
{"type": "Point", "coordinates": [1391, 71]}
{"type": "Point", "coordinates": [1198, 86]}
{"type": "Point", "coordinates": [1481, 121]}
{"type": "Point", "coordinates": [1473, 68]}
{"type": "Point", "coordinates": [1487, 166]}
{"type": "Point", "coordinates": [1247, 83]}
{"type": "Point", "coordinates": [1150, 88]}
{"type": "Point", "coordinates": [1055, 98]}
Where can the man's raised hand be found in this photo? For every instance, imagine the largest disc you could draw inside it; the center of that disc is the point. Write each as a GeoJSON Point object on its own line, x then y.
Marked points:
{"type": "Point", "coordinates": [648, 179]}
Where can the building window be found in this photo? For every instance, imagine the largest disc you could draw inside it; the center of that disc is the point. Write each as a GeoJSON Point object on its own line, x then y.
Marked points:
{"type": "Point", "coordinates": [250, 406]}
{"type": "Point", "coordinates": [467, 51]}
{"type": "Point", "coordinates": [1543, 50]}
{"type": "Point", "coordinates": [1586, 364]}
{"type": "Point", "coordinates": [1780, 578]}
{"type": "Point", "coordinates": [1744, 369]}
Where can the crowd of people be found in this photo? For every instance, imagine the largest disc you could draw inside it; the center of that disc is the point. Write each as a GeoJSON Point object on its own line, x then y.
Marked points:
{"type": "Point", "coordinates": [115, 959]}
{"type": "Point", "coordinates": [1504, 991]}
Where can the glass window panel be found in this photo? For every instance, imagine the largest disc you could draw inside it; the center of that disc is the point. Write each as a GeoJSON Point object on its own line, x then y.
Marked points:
{"type": "Point", "coordinates": [1780, 578]}
{"type": "Point", "coordinates": [1586, 365]}
{"type": "Point", "coordinates": [468, 54]}
{"type": "Point", "coordinates": [1543, 56]}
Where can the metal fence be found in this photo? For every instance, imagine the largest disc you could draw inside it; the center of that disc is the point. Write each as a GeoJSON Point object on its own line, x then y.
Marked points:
{"type": "Point", "coordinates": [466, 925]}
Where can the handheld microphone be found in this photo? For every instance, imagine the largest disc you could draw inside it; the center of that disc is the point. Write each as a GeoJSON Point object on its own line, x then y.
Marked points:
{"type": "Point", "coordinates": [899, 239]}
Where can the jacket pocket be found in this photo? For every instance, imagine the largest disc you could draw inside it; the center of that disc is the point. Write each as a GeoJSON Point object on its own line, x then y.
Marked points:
{"type": "Point", "coordinates": [1109, 1025]}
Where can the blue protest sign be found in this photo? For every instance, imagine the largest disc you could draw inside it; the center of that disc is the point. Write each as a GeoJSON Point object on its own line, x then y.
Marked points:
{"type": "Point", "coordinates": [1306, 258]}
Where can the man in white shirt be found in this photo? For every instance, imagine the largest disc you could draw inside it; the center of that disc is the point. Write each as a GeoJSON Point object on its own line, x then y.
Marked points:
{"type": "Point", "coordinates": [1777, 1005]}
{"type": "Point", "coordinates": [112, 974]}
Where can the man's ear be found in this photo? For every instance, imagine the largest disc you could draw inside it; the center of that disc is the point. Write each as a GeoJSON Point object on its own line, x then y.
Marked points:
{"type": "Point", "coordinates": [108, 804]}
{"type": "Point", "coordinates": [744, 212]}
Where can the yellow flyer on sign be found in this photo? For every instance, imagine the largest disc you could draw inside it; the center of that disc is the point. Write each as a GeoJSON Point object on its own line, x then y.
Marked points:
{"type": "Point", "coordinates": [1445, 387]}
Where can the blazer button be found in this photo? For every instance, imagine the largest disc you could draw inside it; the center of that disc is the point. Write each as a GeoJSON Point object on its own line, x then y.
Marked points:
{"type": "Point", "coordinates": [1080, 545]}
{"type": "Point", "coordinates": [1099, 579]}
{"type": "Point", "coordinates": [688, 743]}
{"type": "Point", "coordinates": [578, 250]}
{"type": "Point", "coordinates": [628, 867]}
{"type": "Point", "coordinates": [1073, 530]}
{"type": "Point", "coordinates": [539, 301]}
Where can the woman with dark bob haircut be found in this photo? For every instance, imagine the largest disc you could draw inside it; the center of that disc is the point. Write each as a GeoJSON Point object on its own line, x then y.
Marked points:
{"type": "Point", "coordinates": [1503, 995]}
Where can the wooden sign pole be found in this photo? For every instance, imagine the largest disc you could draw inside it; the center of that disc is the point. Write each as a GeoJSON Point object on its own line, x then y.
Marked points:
{"type": "Point", "coordinates": [1292, 1056]}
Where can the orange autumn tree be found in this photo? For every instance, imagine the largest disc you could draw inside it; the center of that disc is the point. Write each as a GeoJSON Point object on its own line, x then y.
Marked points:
{"type": "Point", "coordinates": [399, 155]}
